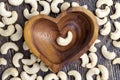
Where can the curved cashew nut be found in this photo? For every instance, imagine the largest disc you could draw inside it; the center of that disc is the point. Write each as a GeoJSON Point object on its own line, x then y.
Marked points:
{"type": "Point", "coordinates": [3, 61]}
{"type": "Point", "coordinates": [116, 35]}
{"type": "Point", "coordinates": [3, 11]}
{"type": "Point", "coordinates": [15, 2]}
{"type": "Point", "coordinates": [9, 72]}
{"type": "Point", "coordinates": [2, 24]}
{"type": "Point", "coordinates": [18, 35]}
{"type": "Point", "coordinates": [116, 43]}
{"type": "Point", "coordinates": [101, 21]}
{"type": "Point", "coordinates": [91, 72]}
{"type": "Point", "coordinates": [39, 78]}
{"type": "Point", "coordinates": [107, 54]}
{"type": "Point", "coordinates": [8, 45]}
{"type": "Point", "coordinates": [54, 6]}
{"type": "Point", "coordinates": [102, 13]}
{"type": "Point", "coordinates": [106, 29]}
{"type": "Point", "coordinates": [16, 59]}
{"type": "Point", "coordinates": [117, 13]}
{"type": "Point", "coordinates": [75, 4]}
{"type": "Point", "coordinates": [85, 60]}
{"type": "Point", "coordinates": [49, 0]}
{"type": "Point", "coordinates": [11, 20]}
{"type": "Point", "coordinates": [51, 76]}
{"type": "Point", "coordinates": [94, 59]}
{"type": "Point", "coordinates": [116, 61]}
{"type": "Point", "coordinates": [43, 67]}
{"type": "Point", "coordinates": [15, 78]}
{"type": "Point", "coordinates": [46, 6]}
{"type": "Point", "coordinates": [65, 41]}
{"type": "Point", "coordinates": [25, 47]}
{"type": "Point", "coordinates": [62, 75]}
{"type": "Point", "coordinates": [8, 32]}
{"type": "Point", "coordinates": [101, 2]}
{"type": "Point", "coordinates": [85, 6]}
{"type": "Point", "coordinates": [76, 74]}
{"type": "Point", "coordinates": [28, 15]}
{"type": "Point", "coordinates": [33, 70]}
{"type": "Point", "coordinates": [65, 6]}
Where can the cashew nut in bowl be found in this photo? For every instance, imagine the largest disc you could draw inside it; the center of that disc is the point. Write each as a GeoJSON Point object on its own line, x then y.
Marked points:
{"type": "Point", "coordinates": [3, 11]}
{"type": "Point", "coordinates": [101, 21]}
{"type": "Point", "coordinates": [85, 60]}
{"type": "Point", "coordinates": [8, 32]}
{"type": "Point", "coordinates": [62, 75]}
{"type": "Point", "coordinates": [2, 24]}
{"type": "Point", "coordinates": [46, 7]}
{"type": "Point", "coordinates": [94, 59]}
{"type": "Point", "coordinates": [43, 67]}
{"type": "Point", "coordinates": [65, 6]}
{"type": "Point", "coordinates": [3, 61]}
{"type": "Point", "coordinates": [91, 72]}
{"type": "Point", "coordinates": [15, 2]}
{"type": "Point", "coordinates": [15, 78]}
{"type": "Point", "coordinates": [28, 15]}
{"type": "Point", "coordinates": [9, 72]}
{"type": "Point", "coordinates": [106, 29]}
{"type": "Point", "coordinates": [116, 44]}
{"type": "Point", "coordinates": [39, 78]}
{"type": "Point", "coordinates": [51, 76]}
{"type": "Point", "coordinates": [75, 4]}
{"type": "Point", "coordinates": [54, 6]}
{"type": "Point", "coordinates": [102, 2]}
{"type": "Point", "coordinates": [16, 59]}
{"type": "Point", "coordinates": [117, 12]}
{"type": "Point", "coordinates": [76, 74]}
{"type": "Point", "coordinates": [25, 47]}
{"type": "Point", "coordinates": [107, 54]}
{"type": "Point", "coordinates": [116, 35]}
{"type": "Point", "coordinates": [101, 13]}
{"type": "Point", "coordinates": [11, 20]}
{"type": "Point", "coordinates": [8, 45]}
{"type": "Point", "coordinates": [65, 41]}
{"type": "Point", "coordinates": [18, 35]}
{"type": "Point", "coordinates": [116, 61]}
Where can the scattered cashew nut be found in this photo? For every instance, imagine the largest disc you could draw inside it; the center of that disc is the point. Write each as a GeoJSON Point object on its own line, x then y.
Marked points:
{"type": "Point", "coordinates": [15, 2]}
{"type": "Point", "coordinates": [39, 78]}
{"type": "Point", "coordinates": [15, 78]}
{"type": "Point", "coordinates": [101, 21]}
{"type": "Point", "coordinates": [75, 4]}
{"type": "Point", "coordinates": [65, 6]}
{"type": "Point", "coordinates": [62, 75]}
{"type": "Point", "coordinates": [85, 60]}
{"type": "Point", "coordinates": [25, 47]}
{"type": "Point", "coordinates": [116, 61]}
{"type": "Point", "coordinates": [51, 76]}
{"type": "Point", "coordinates": [43, 67]}
{"type": "Point", "coordinates": [116, 44]}
{"type": "Point", "coordinates": [2, 24]}
{"type": "Point", "coordinates": [3, 61]}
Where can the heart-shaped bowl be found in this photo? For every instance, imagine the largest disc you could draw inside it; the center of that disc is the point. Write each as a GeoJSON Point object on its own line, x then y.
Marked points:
{"type": "Point", "coordinates": [41, 32]}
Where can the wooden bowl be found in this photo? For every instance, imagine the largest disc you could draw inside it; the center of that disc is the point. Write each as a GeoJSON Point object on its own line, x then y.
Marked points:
{"type": "Point", "coordinates": [41, 32]}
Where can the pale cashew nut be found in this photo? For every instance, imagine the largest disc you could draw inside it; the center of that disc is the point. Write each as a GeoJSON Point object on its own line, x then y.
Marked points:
{"type": "Point", "coordinates": [25, 47]}
{"type": "Point", "coordinates": [43, 67]}
{"type": "Point", "coordinates": [106, 29]}
{"type": "Point", "coordinates": [107, 54]}
{"type": "Point", "coordinates": [2, 24]}
{"type": "Point", "coordinates": [101, 21]}
{"type": "Point", "coordinates": [3, 61]}
{"type": "Point", "coordinates": [15, 78]}
{"type": "Point", "coordinates": [28, 15]}
{"type": "Point", "coordinates": [117, 13]}
{"type": "Point", "coordinates": [116, 44]}
{"type": "Point", "coordinates": [62, 75]}
{"type": "Point", "coordinates": [75, 4]}
{"type": "Point", "coordinates": [18, 35]}
{"type": "Point", "coordinates": [65, 41]}
{"type": "Point", "coordinates": [85, 6]}
{"type": "Point", "coordinates": [65, 6]}
{"type": "Point", "coordinates": [3, 11]}
{"type": "Point", "coordinates": [9, 72]}
{"type": "Point", "coordinates": [116, 61]}
{"type": "Point", "coordinates": [51, 76]}
{"type": "Point", "coordinates": [76, 74]}
{"type": "Point", "coordinates": [85, 60]}
{"type": "Point", "coordinates": [8, 45]}
{"type": "Point", "coordinates": [54, 6]}
{"type": "Point", "coordinates": [8, 32]}
{"type": "Point", "coordinates": [15, 2]}
{"type": "Point", "coordinates": [49, 0]}
{"type": "Point", "coordinates": [94, 59]}
{"type": "Point", "coordinates": [39, 78]}
{"type": "Point", "coordinates": [16, 59]}
{"type": "Point", "coordinates": [101, 13]}
{"type": "Point", "coordinates": [46, 7]}
{"type": "Point", "coordinates": [91, 72]}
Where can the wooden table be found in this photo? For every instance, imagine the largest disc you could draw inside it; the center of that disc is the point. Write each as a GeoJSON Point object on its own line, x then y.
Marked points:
{"type": "Point", "coordinates": [114, 70]}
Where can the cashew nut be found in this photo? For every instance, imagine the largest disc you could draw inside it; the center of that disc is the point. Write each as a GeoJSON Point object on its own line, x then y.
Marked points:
{"type": "Point", "coordinates": [3, 11]}
{"type": "Point", "coordinates": [2, 24]}
{"type": "Point", "coordinates": [84, 59]}
{"type": "Point", "coordinates": [3, 61]}
{"type": "Point", "coordinates": [39, 78]}
{"type": "Point", "coordinates": [8, 45]}
{"type": "Point", "coordinates": [9, 72]}
{"type": "Point", "coordinates": [28, 15]}
{"type": "Point", "coordinates": [46, 7]}
{"type": "Point", "coordinates": [107, 54]}
{"type": "Point", "coordinates": [106, 29]}
{"type": "Point", "coordinates": [101, 13]}
{"type": "Point", "coordinates": [15, 2]}
{"type": "Point", "coordinates": [18, 35]}
{"type": "Point", "coordinates": [15, 78]}
{"type": "Point", "coordinates": [25, 47]}
{"type": "Point", "coordinates": [85, 6]}
{"type": "Point", "coordinates": [101, 21]}
{"type": "Point", "coordinates": [49, 0]}
{"type": "Point", "coordinates": [65, 6]}
{"type": "Point", "coordinates": [116, 44]}
{"type": "Point", "coordinates": [62, 75]}
{"type": "Point", "coordinates": [8, 32]}
{"type": "Point", "coordinates": [101, 2]}
{"type": "Point", "coordinates": [75, 4]}
{"type": "Point", "coordinates": [117, 13]}
{"type": "Point", "coordinates": [51, 76]}
{"type": "Point", "coordinates": [91, 72]}
{"type": "Point", "coordinates": [116, 35]}
{"type": "Point", "coordinates": [30, 61]}
{"type": "Point", "coordinates": [76, 74]}
{"type": "Point", "coordinates": [116, 61]}
{"type": "Point", "coordinates": [43, 67]}
{"type": "Point", "coordinates": [94, 59]}
{"type": "Point", "coordinates": [16, 59]}
{"type": "Point", "coordinates": [54, 6]}
{"type": "Point", "coordinates": [33, 70]}
{"type": "Point", "coordinates": [65, 41]}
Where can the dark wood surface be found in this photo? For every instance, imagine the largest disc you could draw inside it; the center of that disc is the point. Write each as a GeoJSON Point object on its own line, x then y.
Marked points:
{"type": "Point", "coordinates": [114, 70]}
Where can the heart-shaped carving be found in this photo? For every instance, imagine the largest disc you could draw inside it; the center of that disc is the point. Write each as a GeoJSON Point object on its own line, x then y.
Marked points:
{"type": "Point", "coordinates": [41, 32]}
